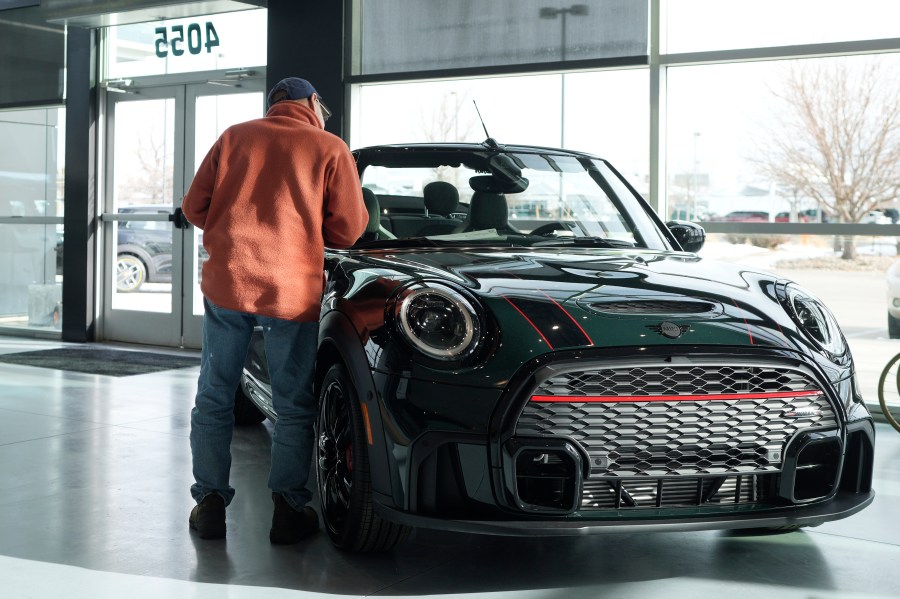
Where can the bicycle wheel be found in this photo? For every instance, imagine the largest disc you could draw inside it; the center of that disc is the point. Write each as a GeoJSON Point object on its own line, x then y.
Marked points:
{"type": "Point", "coordinates": [889, 391]}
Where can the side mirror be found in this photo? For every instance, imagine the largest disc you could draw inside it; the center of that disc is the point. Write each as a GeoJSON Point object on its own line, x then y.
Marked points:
{"type": "Point", "coordinates": [690, 236]}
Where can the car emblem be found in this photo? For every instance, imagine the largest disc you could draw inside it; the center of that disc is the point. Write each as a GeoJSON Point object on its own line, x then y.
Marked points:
{"type": "Point", "coordinates": [808, 412]}
{"type": "Point", "coordinates": [670, 329]}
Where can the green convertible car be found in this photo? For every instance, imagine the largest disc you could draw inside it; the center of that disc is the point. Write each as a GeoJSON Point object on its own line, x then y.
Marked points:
{"type": "Point", "coordinates": [519, 345]}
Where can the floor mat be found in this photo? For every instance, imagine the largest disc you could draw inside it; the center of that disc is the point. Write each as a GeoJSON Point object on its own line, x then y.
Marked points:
{"type": "Point", "coordinates": [108, 362]}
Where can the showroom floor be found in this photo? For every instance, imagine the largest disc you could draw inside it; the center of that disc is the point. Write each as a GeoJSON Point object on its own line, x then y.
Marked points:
{"type": "Point", "coordinates": [94, 477]}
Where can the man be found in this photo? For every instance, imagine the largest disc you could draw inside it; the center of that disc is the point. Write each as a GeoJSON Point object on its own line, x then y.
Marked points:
{"type": "Point", "coordinates": [270, 194]}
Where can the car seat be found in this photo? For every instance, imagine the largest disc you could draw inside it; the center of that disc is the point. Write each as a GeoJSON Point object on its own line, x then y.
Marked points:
{"type": "Point", "coordinates": [374, 231]}
{"type": "Point", "coordinates": [487, 210]}
{"type": "Point", "coordinates": [441, 201]}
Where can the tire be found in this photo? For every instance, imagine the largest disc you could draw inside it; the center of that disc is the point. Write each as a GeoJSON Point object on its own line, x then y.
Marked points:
{"type": "Point", "coordinates": [343, 476]}
{"type": "Point", "coordinates": [130, 273]}
{"type": "Point", "coordinates": [245, 411]}
{"type": "Point", "coordinates": [893, 327]}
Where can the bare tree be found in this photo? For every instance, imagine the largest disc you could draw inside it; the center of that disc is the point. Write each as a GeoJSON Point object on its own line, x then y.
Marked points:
{"type": "Point", "coordinates": [151, 180]}
{"type": "Point", "coordinates": [838, 139]}
{"type": "Point", "coordinates": [448, 124]}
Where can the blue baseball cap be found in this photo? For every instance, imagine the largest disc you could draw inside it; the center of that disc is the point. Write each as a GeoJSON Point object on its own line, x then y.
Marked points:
{"type": "Point", "coordinates": [291, 88]}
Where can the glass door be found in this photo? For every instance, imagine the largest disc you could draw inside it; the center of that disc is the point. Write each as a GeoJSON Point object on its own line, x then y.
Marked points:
{"type": "Point", "coordinates": [156, 137]}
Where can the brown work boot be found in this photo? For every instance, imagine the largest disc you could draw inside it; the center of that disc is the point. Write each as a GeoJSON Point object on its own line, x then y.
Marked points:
{"type": "Point", "coordinates": [208, 517]}
{"type": "Point", "coordinates": [290, 526]}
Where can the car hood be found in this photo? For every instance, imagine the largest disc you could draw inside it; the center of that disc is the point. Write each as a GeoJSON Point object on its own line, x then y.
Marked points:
{"type": "Point", "coordinates": [552, 300]}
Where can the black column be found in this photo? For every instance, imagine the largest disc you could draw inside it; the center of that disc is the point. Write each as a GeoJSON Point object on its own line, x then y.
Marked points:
{"type": "Point", "coordinates": [79, 218]}
{"type": "Point", "coordinates": [306, 39]}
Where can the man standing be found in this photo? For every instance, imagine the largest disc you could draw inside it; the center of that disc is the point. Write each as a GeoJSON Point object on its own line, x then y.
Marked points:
{"type": "Point", "coordinates": [269, 196]}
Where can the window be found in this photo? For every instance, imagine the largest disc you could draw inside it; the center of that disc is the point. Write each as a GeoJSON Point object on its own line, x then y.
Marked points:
{"type": "Point", "coordinates": [31, 210]}
{"type": "Point", "coordinates": [704, 25]}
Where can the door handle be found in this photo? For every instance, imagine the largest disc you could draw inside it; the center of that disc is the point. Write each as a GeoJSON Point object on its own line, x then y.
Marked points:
{"type": "Point", "coordinates": [178, 219]}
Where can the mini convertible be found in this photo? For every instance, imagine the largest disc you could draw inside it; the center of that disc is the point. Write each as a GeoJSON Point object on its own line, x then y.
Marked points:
{"type": "Point", "coordinates": [519, 345]}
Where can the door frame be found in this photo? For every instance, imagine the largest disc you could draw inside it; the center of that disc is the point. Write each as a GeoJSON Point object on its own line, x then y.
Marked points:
{"type": "Point", "coordinates": [178, 327]}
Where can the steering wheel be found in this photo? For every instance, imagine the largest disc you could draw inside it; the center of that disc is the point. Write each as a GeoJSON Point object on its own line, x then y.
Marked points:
{"type": "Point", "coordinates": [548, 228]}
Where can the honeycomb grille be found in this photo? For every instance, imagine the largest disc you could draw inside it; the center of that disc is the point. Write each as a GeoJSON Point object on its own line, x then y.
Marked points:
{"type": "Point", "coordinates": [682, 437]}
{"type": "Point", "coordinates": [676, 380]}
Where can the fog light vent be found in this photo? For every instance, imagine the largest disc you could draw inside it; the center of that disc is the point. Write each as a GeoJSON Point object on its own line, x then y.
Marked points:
{"type": "Point", "coordinates": [548, 479]}
{"type": "Point", "coordinates": [817, 468]}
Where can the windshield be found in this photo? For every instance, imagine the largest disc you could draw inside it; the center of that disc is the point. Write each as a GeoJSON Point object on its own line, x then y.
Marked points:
{"type": "Point", "coordinates": [509, 199]}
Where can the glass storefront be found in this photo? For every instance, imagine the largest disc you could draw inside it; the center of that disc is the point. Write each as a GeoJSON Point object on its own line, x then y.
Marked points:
{"type": "Point", "coordinates": [790, 140]}
{"type": "Point", "coordinates": [31, 208]}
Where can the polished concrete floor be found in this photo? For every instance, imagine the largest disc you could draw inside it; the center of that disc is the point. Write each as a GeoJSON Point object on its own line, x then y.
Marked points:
{"type": "Point", "coordinates": [94, 477]}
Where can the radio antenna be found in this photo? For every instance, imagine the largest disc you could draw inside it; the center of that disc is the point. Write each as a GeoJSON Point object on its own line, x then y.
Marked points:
{"type": "Point", "coordinates": [490, 141]}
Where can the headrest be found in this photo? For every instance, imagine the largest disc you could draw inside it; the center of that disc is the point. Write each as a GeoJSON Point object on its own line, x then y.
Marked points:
{"type": "Point", "coordinates": [441, 197]}
{"type": "Point", "coordinates": [373, 208]}
{"type": "Point", "coordinates": [487, 211]}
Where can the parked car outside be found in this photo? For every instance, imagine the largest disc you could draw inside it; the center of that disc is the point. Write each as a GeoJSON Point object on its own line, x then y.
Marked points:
{"type": "Point", "coordinates": [143, 249]}
{"type": "Point", "coordinates": [803, 216]}
{"type": "Point", "coordinates": [747, 216]}
{"type": "Point", "coordinates": [876, 217]}
{"type": "Point", "coordinates": [581, 372]}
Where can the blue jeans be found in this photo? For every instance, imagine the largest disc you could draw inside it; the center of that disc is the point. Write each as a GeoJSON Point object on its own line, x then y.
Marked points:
{"type": "Point", "coordinates": [290, 353]}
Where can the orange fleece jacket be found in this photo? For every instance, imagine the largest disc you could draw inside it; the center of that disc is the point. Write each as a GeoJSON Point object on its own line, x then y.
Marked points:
{"type": "Point", "coordinates": [269, 196]}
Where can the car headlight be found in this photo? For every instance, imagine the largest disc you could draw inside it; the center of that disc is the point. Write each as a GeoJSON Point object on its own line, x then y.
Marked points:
{"type": "Point", "coordinates": [815, 320]}
{"type": "Point", "coordinates": [439, 321]}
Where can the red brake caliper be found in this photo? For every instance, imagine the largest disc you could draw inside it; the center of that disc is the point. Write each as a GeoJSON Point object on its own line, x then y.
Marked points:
{"type": "Point", "coordinates": [348, 456]}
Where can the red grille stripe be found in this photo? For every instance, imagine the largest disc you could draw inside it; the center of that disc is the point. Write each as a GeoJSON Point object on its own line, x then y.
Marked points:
{"type": "Point", "coordinates": [640, 398]}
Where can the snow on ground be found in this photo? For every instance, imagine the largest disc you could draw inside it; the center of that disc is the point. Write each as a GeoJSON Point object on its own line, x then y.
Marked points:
{"type": "Point", "coordinates": [761, 257]}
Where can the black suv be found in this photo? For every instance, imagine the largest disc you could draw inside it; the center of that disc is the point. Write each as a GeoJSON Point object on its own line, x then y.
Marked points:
{"type": "Point", "coordinates": [143, 249]}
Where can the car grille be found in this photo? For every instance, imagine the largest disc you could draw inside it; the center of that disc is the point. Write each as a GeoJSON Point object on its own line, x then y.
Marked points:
{"type": "Point", "coordinates": [676, 380]}
{"type": "Point", "coordinates": [676, 492]}
{"type": "Point", "coordinates": [663, 421]}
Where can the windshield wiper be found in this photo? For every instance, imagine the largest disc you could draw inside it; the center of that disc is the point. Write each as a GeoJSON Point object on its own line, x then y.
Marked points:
{"type": "Point", "coordinates": [604, 242]}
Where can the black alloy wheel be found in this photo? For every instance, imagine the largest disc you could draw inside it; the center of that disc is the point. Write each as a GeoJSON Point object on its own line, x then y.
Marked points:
{"type": "Point", "coordinates": [342, 471]}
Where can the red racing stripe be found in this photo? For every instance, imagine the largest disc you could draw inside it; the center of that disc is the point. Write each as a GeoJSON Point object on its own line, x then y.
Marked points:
{"type": "Point", "coordinates": [642, 398]}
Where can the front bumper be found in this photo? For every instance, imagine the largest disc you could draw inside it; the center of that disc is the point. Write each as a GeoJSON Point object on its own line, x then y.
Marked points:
{"type": "Point", "coordinates": [842, 505]}
{"type": "Point", "coordinates": [570, 467]}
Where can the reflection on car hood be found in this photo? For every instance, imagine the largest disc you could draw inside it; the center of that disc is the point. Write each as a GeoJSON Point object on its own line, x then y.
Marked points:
{"type": "Point", "coordinates": [571, 299]}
